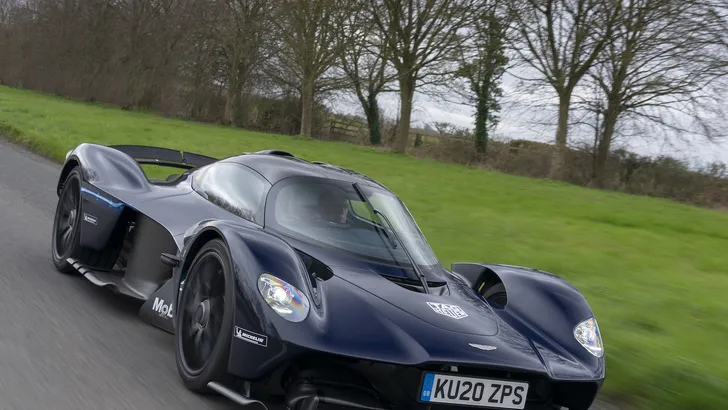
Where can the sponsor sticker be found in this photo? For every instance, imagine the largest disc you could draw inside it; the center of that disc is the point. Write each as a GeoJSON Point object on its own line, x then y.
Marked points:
{"type": "Point", "coordinates": [90, 219]}
{"type": "Point", "coordinates": [164, 310]}
{"type": "Point", "coordinates": [453, 311]}
{"type": "Point", "coordinates": [251, 337]}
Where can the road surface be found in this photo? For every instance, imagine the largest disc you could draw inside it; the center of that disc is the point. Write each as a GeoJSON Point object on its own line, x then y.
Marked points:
{"type": "Point", "coordinates": [64, 343]}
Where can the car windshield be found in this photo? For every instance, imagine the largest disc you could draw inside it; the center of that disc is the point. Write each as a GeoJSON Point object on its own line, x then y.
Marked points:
{"type": "Point", "coordinates": [332, 213]}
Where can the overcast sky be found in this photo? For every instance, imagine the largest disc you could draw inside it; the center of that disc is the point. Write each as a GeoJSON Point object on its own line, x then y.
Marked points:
{"type": "Point", "coordinates": [520, 119]}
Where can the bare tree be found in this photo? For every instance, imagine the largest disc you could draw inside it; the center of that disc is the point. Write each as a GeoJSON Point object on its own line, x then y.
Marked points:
{"type": "Point", "coordinates": [147, 41]}
{"type": "Point", "coordinates": [7, 7]}
{"type": "Point", "coordinates": [364, 60]}
{"type": "Point", "coordinates": [309, 48]}
{"type": "Point", "coordinates": [719, 14]}
{"type": "Point", "coordinates": [561, 40]}
{"type": "Point", "coordinates": [483, 63]}
{"type": "Point", "coordinates": [420, 36]}
{"type": "Point", "coordinates": [241, 29]}
{"type": "Point", "coordinates": [662, 59]}
{"type": "Point", "coordinates": [589, 108]}
{"type": "Point", "coordinates": [201, 68]}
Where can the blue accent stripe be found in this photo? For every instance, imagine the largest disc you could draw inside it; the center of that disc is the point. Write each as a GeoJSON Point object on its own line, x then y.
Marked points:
{"type": "Point", "coordinates": [427, 387]}
{"type": "Point", "coordinates": [107, 200]}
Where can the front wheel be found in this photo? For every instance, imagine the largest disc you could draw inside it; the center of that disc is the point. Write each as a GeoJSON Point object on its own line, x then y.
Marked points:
{"type": "Point", "coordinates": [66, 224]}
{"type": "Point", "coordinates": [204, 318]}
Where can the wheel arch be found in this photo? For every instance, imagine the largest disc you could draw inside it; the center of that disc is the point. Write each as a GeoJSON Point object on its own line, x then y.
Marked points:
{"type": "Point", "coordinates": [106, 167]}
{"type": "Point", "coordinates": [242, 258]}
{"type": "Point", "coordinates": [106, 175]}
{"type": "Point", "coordinates": [253, 252]}
{"type": "Point", "coordinates": [519, 281]}
{"type": "Point", "coordinates": [542, 306]}
{"type": "Point", "coordinates": [199, 240]}
{"type": "Point", "coordinates": [99, 236]}
{"type": "Point", "coordinates": [71, 163]}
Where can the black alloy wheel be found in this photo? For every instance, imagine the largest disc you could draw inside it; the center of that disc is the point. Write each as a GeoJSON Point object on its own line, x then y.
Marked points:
{"type": "Point", "coordinates": [496, 295]}
{"type": "Point", "coordinates": [66, 224]}
{"type": "Point", "coordinates": [204, 318]}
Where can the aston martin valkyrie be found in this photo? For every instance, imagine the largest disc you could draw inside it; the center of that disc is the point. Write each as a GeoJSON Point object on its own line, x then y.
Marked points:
{"type": "Point", "coordinates": [303, 284]}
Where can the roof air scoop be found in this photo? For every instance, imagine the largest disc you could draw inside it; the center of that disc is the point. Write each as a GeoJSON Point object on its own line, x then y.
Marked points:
{"type": "Point", "coordinates": [275, 152]}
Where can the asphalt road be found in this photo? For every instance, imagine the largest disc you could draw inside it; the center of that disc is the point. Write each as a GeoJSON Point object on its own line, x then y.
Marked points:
{"type": "Point", "coordinates": [65, 344]}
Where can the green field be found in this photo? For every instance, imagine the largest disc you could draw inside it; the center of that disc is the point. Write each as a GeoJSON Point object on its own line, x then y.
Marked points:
{"type": "Point", "coordinates": [654, 271]}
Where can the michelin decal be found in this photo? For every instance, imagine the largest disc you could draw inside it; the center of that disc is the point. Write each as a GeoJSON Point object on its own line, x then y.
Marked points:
{"type": "Point", "coordinates": [251, 337]}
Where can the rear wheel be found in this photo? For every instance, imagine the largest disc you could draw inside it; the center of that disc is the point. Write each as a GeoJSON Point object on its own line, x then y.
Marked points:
{"type": "Point", "coordinates": [67, 230]}
{"type": "Point", "coordinates": [204, 318]}
{"type": "Point", "coordinates": [66, 224]}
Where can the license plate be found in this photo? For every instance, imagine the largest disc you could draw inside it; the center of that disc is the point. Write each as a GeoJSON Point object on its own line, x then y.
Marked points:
{"type": "Point", "coordinates": [471, 391]}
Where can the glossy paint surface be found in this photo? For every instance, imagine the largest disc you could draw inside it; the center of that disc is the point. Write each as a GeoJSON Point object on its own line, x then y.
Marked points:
{"type": "Point", "coordinates": [364, 315]}
{"type": "Point", "coordinates": [357, 312]}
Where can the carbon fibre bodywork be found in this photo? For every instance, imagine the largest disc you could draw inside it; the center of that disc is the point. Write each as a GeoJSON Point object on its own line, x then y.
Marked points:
{"type": "Point", "coordinates": [359, 320]}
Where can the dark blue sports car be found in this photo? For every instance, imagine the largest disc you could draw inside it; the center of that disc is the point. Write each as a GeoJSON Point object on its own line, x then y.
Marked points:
{"type": "Point", "coordinates": [308, 285]}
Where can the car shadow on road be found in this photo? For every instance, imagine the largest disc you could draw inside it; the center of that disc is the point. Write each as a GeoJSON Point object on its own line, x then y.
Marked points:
{"type": "Point", "coordinates": [119, 304]}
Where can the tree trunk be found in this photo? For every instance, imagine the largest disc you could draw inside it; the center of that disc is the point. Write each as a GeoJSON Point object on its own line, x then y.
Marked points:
{"type": "Point", "coordinates": [558, 161]}
{"type": "Point", "coordinates": [243, 108]}
{"type": "Point", "coordinates": [230, 105]}
{"type": "Point", "coordinates": [595, 146]}
{"type": "Point", "coordinates": [605, 142]}
{"type": "Point", "coordinates": [407, 91]}
{"type": "Point", "coordinates": [307, 106]}
{"type": "Point", "coordinates": [233, 90]}
{"type": "Point", "coordinates": [481, 125]}
{"type": "Point", "coordinates": [372, 113]}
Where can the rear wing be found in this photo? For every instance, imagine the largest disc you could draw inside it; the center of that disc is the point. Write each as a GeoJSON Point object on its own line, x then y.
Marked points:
{"type": "Point", "coordinates": [164, 156]}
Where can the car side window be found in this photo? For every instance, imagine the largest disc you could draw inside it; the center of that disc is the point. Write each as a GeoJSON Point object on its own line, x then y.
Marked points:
{"type": "Point", "coordinates": [235, 188]}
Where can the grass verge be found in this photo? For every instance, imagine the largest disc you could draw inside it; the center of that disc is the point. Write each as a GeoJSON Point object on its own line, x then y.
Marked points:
{"type": "Point", "coordinates": [654, 271]}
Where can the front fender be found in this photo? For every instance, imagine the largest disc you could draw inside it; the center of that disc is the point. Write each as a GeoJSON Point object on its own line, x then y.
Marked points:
{"type": "Point", "coordinates": [253, 252]}
{"type": "Point", "coordinates": [545, 308]}
{"type": "Point", "coordinates": [107, 168]}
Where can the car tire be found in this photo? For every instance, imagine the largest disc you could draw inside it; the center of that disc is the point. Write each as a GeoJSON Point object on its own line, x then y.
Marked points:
{"type": "Point", "coordinates": [65, 240]}
{"type": "Point", "coordinates": [198, 311]}
{"type": "Point", "coordinates": [496, 295]}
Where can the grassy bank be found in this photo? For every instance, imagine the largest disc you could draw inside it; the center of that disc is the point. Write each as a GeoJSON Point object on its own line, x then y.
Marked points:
{"type": "Point", "coordinates": [655, 272]}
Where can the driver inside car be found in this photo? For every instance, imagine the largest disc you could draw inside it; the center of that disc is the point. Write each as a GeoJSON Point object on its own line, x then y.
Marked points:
{"type": "Point", "coordinates": [332, 207]}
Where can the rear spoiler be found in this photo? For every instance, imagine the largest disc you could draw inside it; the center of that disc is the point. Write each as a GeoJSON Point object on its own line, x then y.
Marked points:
{"type": "Point", "coordinates": [164, 156]}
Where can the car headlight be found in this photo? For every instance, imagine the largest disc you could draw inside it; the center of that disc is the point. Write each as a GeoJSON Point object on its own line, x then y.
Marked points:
{"type": "Point", "coordinates": [587, 334]}
{"type": "Point", "coordinates": [289, 302]}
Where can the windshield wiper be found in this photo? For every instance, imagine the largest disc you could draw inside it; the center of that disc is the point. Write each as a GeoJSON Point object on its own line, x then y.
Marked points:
{"type": "Point", "coordinates": [416, 267]}
{"type": "Point", "coordinates": [380, 216]}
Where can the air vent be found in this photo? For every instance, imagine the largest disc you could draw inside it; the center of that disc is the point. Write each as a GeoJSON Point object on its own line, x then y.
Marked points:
{"type": "Point", "coordinates": [326, 165]}
{"type": "Point", "coordinates": [317, 270]}
{"type": "Point", "coordinates": [275, 152]}
{"type": "Point", "coordinates": [342, 170]}
{"type": "Point", "coordinates": [414, 285]}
